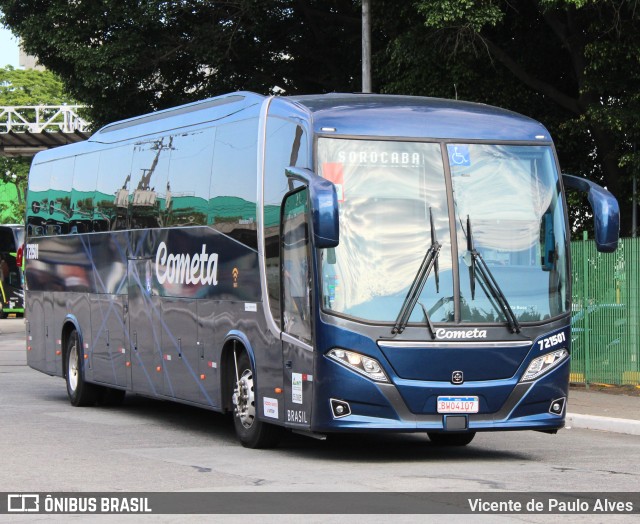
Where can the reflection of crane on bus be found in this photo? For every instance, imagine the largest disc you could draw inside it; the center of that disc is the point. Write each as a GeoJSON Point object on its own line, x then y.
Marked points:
{"type": "Point", "coordinates": [144, 195]}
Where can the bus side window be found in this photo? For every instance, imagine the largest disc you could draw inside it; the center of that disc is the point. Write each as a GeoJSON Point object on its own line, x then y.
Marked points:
{"type": "Point", "coordinates": [38, 198]}
{"type": "Point", "coordinates": [296, 274]}
{"type": "Point", "coordinates": [112, 189]}
{"type": "Point", "coordinates": [149, 175]}
{"type": "Point", "coordinates": [59, 202]}
{"type": "Point", "coordinates": [232, 196]}
{"type": "Point", "coordinates": [186, 193]}
{"type": "Point", "coordinates": [83, 193]}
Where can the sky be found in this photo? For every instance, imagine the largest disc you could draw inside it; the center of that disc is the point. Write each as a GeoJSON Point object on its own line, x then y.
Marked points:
{"type": "Point", "coordinates": [8, 48]}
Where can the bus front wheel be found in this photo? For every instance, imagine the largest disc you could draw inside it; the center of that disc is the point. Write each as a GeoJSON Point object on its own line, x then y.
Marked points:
{"type": "Point", "coordinates": [80, 392]}
{"type": "Point", "coordinates": [451, 439]}
{"type": "Point", "coordinates": [252, 432]}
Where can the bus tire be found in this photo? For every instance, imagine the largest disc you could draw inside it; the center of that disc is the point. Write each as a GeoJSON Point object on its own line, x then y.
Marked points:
{"type": "Point", "coordinates": [451, 439]}
{"type": "Point", "coordinates": [80, 392]}
{"type": "Point", "coordinates": [252, 432]}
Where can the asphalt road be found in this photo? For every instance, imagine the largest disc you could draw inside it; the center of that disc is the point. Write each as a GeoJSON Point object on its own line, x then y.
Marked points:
{"type": "Point", "coordinates": [148, 445]}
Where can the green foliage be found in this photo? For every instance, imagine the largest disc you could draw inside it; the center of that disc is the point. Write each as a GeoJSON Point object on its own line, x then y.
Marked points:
{"type": "Point", "coordinates": [14, 172]}
{"type": "Point", "coordinates": [128, 58]}
{"type": "Point", "coordinates": [24, 88]}
{"type": "Point", "coordinates": [571, 64]}
{"type": "Point", "coordinates": [30, 87]}
{"type": "Point", "coordinates": [473, 14]}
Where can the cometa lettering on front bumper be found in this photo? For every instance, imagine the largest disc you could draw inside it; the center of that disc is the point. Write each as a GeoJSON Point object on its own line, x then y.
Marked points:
{"type": "Point", "coordinates": [445, 334]}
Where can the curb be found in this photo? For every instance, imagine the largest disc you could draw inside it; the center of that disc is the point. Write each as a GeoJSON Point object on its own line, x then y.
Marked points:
{"type": "Point", "coordinates": [613, 425]}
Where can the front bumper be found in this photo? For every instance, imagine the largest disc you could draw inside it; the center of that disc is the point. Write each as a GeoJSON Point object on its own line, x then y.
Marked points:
{"type": "Point", "coordinates": [504, 404]}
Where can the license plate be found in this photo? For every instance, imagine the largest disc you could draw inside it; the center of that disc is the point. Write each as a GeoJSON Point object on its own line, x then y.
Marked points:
{"type": "Point", "coordinates": [458, 404]}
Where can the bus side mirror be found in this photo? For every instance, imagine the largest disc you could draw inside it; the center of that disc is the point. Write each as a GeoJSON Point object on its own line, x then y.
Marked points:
{"type": "Point", "coordinates": [323, 203]}
{"type": "Point", "coordinates": [606, 212]}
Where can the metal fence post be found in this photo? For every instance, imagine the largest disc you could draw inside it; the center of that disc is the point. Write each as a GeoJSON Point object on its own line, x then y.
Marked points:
{"type": "Point", "coordinates": [634, 308]}
{"type": "Point", "coordinates": [585, 305]}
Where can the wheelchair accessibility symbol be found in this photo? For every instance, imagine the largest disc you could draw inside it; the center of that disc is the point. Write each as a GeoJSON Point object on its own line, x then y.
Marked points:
{"type": "Point", "coordinates": [459, 155]}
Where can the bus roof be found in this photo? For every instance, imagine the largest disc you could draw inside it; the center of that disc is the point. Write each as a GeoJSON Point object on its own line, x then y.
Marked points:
{"type": "Point", "coordinates": [196, 113]}
{"type": "Point", "coordinates": [160, 122]}
{"type": "Point", "coordinates": [417, 117]}
{"type": "Point", "coordinates": [335, 113]}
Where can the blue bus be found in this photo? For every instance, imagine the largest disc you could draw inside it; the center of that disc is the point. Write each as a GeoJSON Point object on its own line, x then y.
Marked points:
{"type": "Point", "coordinates": [319, 264]}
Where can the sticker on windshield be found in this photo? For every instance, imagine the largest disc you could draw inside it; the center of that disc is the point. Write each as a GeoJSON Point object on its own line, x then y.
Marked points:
{"type": "Point", "coordinates": [459, 155]}
{"type": "Point", "coordinates": [333, 171]}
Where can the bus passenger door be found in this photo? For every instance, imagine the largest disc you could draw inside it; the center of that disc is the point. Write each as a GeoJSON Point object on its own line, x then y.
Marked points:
{"type": "Point", "coordinates": [296, 310]}
{"type": "Point", "coordinates": [147, 369]}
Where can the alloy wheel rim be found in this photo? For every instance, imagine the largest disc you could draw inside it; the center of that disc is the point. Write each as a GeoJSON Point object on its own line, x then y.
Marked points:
{"type": "Point", "coordinates": [244, 399]}
{"type": "Point", "coordinates": [72, 370]}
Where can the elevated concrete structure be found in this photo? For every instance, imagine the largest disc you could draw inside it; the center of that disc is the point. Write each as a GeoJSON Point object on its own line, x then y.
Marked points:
{"type": "Point", "coordinates": [25, 130]}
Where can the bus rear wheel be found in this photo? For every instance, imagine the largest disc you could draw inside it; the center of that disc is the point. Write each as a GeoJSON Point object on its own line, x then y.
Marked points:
{"type": "Point", "coordinates": [80, 392]}
{"type": "Point", "coordinates": [451, 439]}
{"type": "Point", "coordinates": [252, 432]}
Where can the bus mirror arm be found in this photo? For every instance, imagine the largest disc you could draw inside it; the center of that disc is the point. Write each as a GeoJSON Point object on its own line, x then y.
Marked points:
{"type": "Point", "coordinates": [323, 203]}
{"type": "Point", "coordinates": [606, 211]}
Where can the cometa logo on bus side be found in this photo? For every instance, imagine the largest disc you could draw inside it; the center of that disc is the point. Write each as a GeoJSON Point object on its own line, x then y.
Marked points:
{"type": "Point", "coordinates": [185, 268]}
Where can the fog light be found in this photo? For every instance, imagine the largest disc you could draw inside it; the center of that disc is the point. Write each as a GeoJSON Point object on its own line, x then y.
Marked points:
{"type": "Point", "coordinates": [340, 408]}
{"type": "Point", "coordinates": [557, 406]}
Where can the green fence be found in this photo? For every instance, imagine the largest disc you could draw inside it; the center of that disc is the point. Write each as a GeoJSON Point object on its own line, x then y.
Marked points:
{"type": "Point", "coordinates": [606, 313]}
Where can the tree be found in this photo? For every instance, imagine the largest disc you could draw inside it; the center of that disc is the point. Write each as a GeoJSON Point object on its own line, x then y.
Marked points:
{"type": "Point", "coordinates": [13, 174]}
{"type": "Point", "coordinates": [30, 87]}
{"type": "Point", "coordinates": [128, 58]}
{"type": "Point", "coordinates": [23, 88]}
{"type": "Point", "coordinates": [573, 64]}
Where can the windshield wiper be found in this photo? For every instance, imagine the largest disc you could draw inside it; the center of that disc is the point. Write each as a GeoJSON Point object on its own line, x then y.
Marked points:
{"type": "Point", "coordinates": [487, 281]}
{"type": "Point", "coordinates": [429, 262]}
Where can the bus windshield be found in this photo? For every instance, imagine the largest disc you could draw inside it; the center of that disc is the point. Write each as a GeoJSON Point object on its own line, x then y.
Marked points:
{"type": "Point", "coordinates": [505, 207]}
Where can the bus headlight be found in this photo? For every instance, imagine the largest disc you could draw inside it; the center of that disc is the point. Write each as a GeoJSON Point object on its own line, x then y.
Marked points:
{"type": "Point", "coordinates": [540, 365]}
{"type": "Point", "coordinates": [367, 366]}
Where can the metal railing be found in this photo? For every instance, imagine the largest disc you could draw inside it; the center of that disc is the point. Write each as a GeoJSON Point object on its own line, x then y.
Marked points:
{"type": "Point", "coordinates": [44, 118]}
{"type": "Point", "coordinates": [606, 313]}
